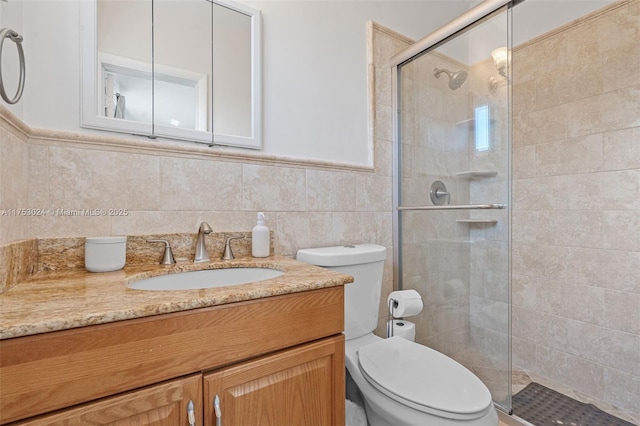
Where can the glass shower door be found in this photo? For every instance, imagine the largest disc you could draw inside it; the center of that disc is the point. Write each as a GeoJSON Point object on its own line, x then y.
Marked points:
{"type": "Point", "coordinates": [453, 166]}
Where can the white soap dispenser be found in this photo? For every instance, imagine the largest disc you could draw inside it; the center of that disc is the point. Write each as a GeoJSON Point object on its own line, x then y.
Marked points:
{"type": "Point", "coordinates": [260, 238]}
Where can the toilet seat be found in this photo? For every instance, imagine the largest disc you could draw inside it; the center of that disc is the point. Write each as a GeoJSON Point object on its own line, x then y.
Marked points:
{"type": "Point", "coordinates": [400, 368]}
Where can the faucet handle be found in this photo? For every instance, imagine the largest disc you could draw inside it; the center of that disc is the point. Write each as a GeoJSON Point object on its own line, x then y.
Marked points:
{"type": "Point", "coordinates": [167, 258]}
{"type": "Point", "coordinates": [228, 253]}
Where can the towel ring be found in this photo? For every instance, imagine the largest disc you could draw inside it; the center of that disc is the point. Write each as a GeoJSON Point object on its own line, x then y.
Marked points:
{"type": "Point", "coordinates": [17, 39]}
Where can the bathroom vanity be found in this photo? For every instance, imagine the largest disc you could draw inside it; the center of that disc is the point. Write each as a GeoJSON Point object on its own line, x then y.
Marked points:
{"type": "Point", "coordinates": [272, 351]}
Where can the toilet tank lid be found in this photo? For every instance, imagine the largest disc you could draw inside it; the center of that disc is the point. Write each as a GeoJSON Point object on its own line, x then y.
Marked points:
{"type": "Point", "coordinates": [343, 255]}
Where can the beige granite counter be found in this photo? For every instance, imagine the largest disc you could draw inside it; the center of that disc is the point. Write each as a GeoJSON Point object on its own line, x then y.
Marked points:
{"type": "Point", "coordinates": [58, 300]}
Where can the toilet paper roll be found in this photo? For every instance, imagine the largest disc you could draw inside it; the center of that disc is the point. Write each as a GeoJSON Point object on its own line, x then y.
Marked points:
{"type": "Point", "coordinates": [406, 303]}
{"type": "Point", "coordinates": [405, 329]}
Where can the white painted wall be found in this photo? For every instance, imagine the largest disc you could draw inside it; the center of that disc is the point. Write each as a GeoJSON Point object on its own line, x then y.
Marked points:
{"type": "Point", "coordinates": [11, 17]}
{"type": "Point", "coordinates": [314, 56]}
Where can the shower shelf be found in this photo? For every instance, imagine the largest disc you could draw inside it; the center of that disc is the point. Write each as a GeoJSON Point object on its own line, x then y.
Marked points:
{"type": "Point", "coordinates": [468, 122]}
{"type": "Point", "coordinates": [477, 221]}
{"type": "Point", "coordinates": [471, 122]}
{"type": "Point", "coordinates": [477, 174]}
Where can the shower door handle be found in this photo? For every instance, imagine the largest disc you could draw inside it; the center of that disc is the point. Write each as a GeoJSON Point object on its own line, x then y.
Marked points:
{"type": "Point", "coordinates": [456, 207]}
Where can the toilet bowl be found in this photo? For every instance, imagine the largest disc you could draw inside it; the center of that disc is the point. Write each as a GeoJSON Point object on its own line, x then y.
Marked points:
{"type": "Point", "coordinates": [402, 383]}
{"type": "Point", "coordinates": [406, 384]}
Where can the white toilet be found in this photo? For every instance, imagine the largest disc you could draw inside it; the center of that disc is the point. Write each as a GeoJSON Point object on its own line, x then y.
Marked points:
{"type": "Point", "coordinates": [402, 382]}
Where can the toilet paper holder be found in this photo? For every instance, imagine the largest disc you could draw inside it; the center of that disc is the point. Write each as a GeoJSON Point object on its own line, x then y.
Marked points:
{"type": "Point", "coordinates": [393, 303]}
{"type": "Point", "coordinates": [402, 303]}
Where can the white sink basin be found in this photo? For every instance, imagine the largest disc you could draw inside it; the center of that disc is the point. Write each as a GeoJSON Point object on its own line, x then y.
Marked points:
{"type": "Point", "coordinates": [209, 278]}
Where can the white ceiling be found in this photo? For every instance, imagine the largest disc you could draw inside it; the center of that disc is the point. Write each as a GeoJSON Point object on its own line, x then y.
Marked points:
{"type": "Point", "coordinates": [530, 19]}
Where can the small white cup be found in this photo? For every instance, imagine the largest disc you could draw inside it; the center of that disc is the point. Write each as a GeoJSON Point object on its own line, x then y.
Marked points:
{"type": "Point", "coordinates": [105, 254]}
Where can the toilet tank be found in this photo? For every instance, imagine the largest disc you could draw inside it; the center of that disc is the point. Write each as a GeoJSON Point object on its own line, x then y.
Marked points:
{"type": "Point", "coordinates": [365, 263]}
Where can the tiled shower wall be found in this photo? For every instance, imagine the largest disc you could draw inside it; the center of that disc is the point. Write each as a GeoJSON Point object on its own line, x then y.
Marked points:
{"type": "Point", "coordinates": [576, 207]}
{"type": "Point", "coordinates": [435, 249]}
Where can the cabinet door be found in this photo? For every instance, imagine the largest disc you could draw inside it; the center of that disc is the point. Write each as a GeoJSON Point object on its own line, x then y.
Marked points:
{"type": "Point", "coordinates": [299, 386]}
{"type": "Point", "coordinates": [164, 404]}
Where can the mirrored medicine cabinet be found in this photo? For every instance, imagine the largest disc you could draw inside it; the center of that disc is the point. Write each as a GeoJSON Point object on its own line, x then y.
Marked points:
{"type": "Point", "coordinates": [180, 69]}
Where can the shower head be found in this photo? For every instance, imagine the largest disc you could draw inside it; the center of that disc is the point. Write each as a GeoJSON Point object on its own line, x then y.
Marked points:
{"type": "Point", "coordinates": [456, 79]}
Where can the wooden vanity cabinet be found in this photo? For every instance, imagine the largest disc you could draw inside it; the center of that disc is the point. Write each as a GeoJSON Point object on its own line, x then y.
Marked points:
{"type": "Point", "coordinates": [300, 386]}
{"type": "Point", "coordinates": [273, 361]}
{"type": "Point", "coordinates": [164, 404]}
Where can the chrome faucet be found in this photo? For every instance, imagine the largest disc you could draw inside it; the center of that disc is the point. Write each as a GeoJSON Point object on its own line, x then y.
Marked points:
{"type": "Point", "coordinates": [228, 253]}
{"type": "Point", "coordinates": [202, 255]}
{"type": "Point", "coordinates": [167, 256]}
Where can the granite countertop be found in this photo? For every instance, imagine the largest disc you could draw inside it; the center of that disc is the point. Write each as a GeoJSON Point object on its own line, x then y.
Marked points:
{"type": "Point", "coordinates": [59, 300]}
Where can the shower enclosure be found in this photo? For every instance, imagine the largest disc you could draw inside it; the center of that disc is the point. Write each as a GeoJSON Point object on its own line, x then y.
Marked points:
{"type": "Point", "coordinates": [550, 237]}
{"type": "Point", "coordinates": [452, 190]}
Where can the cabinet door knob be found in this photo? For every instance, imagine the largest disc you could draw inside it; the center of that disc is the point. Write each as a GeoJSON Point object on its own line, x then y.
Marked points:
{"type": "Point", "coordinates": [190, 414]}
{"type": "Point", "coordinates": [218, 410]}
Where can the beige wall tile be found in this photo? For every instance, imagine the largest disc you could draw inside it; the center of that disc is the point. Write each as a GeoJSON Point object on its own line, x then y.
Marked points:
{"type": "Point", "coordinates": [539, 126]}
{"type": "Point", "coordinates": [330, 191]}
{"type": "Point", "coordinates": [489, 314]}
{"type": "Point", "coordinates": [552, 90]}
{"type": "Point", "coordinates": [525, 291]}
{"type": "Point", "coordinates": [383, 158]}
{"type": "Point", "coordinates": [622, 149]}
{"type": "Point", "coordinates": [579, 374]}
{"type": "Point", "coordinates": [539, 194]}
{"type": "Point", "coordinates": [490, 255]}
{"type": "Point", "coordinates": [619, 65]}
{"type": "Point", "coordinates": [415, 261]}
{"type": "Point", "coordinates": [523, 354]}
{"type": "Point", "coordinates": [419, 227]}
{"type": "Point", "coordinates": [537, 260]}
{"type": "Point", "coordinates": [362, 227]}
{"type": "Point", "coordinates": [373, 193]}
{"type": "Point", "coordinates": [382, 130]}
{"type": "Point", "coordinates": [303, 230]}
{"type": "Point", "coordinates": [610, 269]}
{"type": "Point", "coordinates": [571, 156]}
{"type": "Point", "coordinates": [619, 29]}
{"type": "Point", "coordinates": [14, 170]}
{"type": "Point", "coordinates": [273, 188]}
{"type": "Point", "coordinates": [189, 184]}
{"type": "Point", "coordinates": [595, 343]}
{"type": "Point", "coordinates": [83, 178]}
{"type": "Point", "coordinates": [524, 226]}
{"type": "Point", "coordinates": [552, 331]}
{"type": "Point", "coordinates": [615, 190]}
{"type": "Point", "coordinates": [615, 110]}
{"type": "Point", "coordinates": [530, 63]}
{"type": "Point", "coordinates": [38, 189]}
{"type": "Point", "coordinates": [385, 45]}
{"type": "Point", "coordinates": [383, 85]}
{"type": "Point", "coordinates": [570, 228]}
{"type": "Point", "coordinates": [59, 225]}
{"type": "Point", "coordinates": [622, 311]}
{"type": "Point", "coordinates": [622, 230]}
{"type": "Point", "coordinates": [571, 301]}
{"type": "Point", "coordinates": [623, 390]}
{"type": "Point", "coordinates": [525, 323]}
{"type": "Point", "coordinates": [157, 222]}
{"type": "Point", "coordinates": [523, 91]}
{"type": "Point", "coordinates": [229, 221]}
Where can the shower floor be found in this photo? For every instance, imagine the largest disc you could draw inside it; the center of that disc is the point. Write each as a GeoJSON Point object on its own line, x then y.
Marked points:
{"type": "Point", "coordinates": [496, 379]}
{"type": "Point", "coordinates": [541, 406]}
